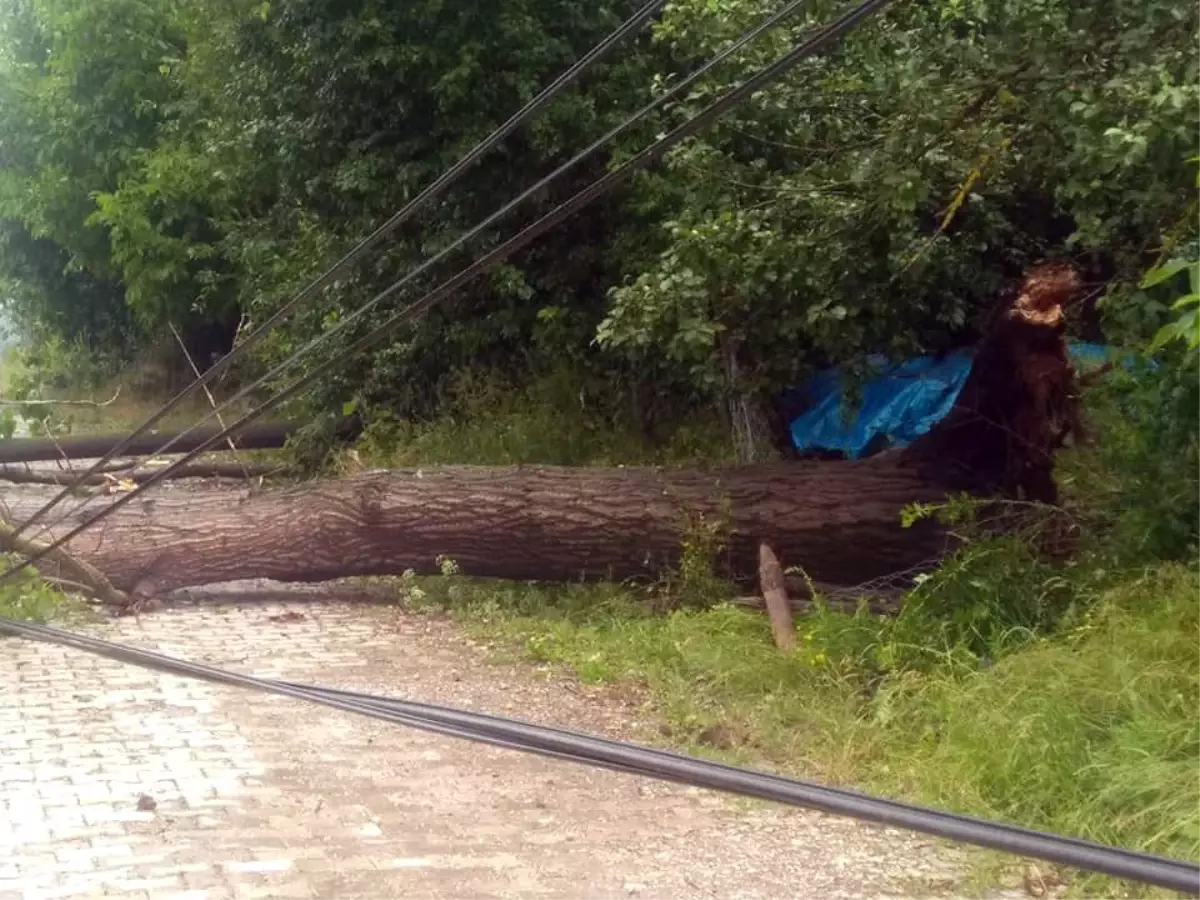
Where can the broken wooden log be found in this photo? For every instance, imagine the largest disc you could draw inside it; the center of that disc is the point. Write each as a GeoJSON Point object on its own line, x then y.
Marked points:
{"type": "Point", "coordinates": [525, 522]}
{"type": "Point", "coordinates": [126, 472]}
{"type": "Point", "coordinates": [775, 596]}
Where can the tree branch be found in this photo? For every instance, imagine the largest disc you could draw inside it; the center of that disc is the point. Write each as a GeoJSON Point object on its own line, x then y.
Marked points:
{"type": "Point", "coordinates": [94, 403]}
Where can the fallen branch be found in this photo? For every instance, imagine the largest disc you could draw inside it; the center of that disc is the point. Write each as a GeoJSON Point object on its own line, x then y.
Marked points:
{"type": "Point", "coordinates": [193, 470]}
{"type": "Point", "coordinates": [93, 403]}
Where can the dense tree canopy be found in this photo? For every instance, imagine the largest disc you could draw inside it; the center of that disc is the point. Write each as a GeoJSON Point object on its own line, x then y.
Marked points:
{"type": "Point", "coordinates": [194, 164]}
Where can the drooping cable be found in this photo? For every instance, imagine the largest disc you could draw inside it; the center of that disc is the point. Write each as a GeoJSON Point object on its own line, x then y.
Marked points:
{"type": "Point", "coordinates": [753, 34]}
{"type": "Point", "coordinates": [566, 745]}
{"type": "Point", "coordinates": [431, 192]}
{"type": "Point", "coordinates": [822, 38]}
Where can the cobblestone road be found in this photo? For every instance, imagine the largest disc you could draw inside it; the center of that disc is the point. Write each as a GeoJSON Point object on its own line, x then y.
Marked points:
{"type": "Point", "coordinates": [117, 781]}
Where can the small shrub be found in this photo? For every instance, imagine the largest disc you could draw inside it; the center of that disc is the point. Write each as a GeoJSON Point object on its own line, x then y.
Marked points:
{"type": "Point", "coordinates": [27, 597]}
{"type": "Point", "coordinates": [560, 418]}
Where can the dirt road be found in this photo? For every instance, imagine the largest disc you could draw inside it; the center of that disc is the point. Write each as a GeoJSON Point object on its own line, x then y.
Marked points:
{"type": "Point", "coordinates": [116, 781]}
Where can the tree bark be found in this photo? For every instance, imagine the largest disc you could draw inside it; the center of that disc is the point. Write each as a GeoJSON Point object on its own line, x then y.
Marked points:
{"type": "Point", "coordinates": [536, 522]}
{"type": "Point", "coordinates": [840, 521]}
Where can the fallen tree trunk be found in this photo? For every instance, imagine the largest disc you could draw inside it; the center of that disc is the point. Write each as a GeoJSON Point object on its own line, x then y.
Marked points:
{"type": "Point", "coordinates": [537, 522]}
{"type": "Point", "coordinates": [262, 436]}
{"type": "Point", "coordinates": [840, 521]}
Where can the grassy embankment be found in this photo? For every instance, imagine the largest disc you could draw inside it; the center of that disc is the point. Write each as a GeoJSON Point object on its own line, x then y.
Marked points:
{"type": "Point", "coordinates": [1062, 697]}
{"type": "Point", "coordinates": [1058, 696]}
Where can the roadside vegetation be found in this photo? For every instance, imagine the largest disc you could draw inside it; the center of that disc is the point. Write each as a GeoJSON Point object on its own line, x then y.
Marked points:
{"type": "Point", "coordinates": [28, 597]}
{"type": "Point", "coordinates": [1062, 695]}
{"type": "Point", "coordinates": [183, 169]}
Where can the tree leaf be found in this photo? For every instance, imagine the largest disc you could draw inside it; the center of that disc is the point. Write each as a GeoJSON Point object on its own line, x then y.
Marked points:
{"type": "Point", "coordinates": [1164, 272]}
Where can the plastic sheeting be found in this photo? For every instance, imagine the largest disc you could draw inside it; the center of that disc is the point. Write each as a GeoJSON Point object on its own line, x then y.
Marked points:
{"type": "Point", "coordinates": [899, 404]}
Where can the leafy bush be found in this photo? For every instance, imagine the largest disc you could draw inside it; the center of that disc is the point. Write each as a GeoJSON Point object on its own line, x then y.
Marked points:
{"type": "Point", "coordinates": [189, 163]}
{"type": "Point", "coordinates": [26, 596]}
{"type": "Point", "coordinates": [562, 417]}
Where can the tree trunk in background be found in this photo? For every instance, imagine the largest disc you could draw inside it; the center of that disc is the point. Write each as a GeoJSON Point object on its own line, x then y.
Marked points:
{"type": "Point", "coordinates": [259, 436]}
{"type": "Point", "coordinates": [840, 521]}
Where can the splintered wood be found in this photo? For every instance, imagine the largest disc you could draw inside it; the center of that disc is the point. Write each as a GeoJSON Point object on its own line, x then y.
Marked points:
{"type": "Point", "coordinates": [774, 591]}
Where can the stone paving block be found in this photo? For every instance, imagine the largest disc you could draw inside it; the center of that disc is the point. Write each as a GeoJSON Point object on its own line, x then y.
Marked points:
{"type": "Point", "coordinates": [262, 796]}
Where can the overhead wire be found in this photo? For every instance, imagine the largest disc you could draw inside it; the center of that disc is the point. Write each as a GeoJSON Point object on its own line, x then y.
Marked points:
{"type": "Point", "coordinates": [571, 746]}
{"type": "Point", "coordinates": [431, 192]}
{"type": "Point", "coordinates": [504, 250]}
{"type": "Point", "coordinates": [672, 91]}
{"type": "Point", "coordinates": [620, 756]}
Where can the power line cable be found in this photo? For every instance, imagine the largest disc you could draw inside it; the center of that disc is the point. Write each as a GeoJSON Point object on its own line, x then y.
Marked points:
{"type": "Point", "coordinates": [432, 191]}
{"type": "Point", "coordinates": [1168, 873]}
{"type": "Point", "coordinates": [823, 37]}
{"type": "Point", "coordinates": [633, 759]}
{"type": "Point", "coordinates": [748, 37]}
{"type": "Point", "coordinates": [673, 91]}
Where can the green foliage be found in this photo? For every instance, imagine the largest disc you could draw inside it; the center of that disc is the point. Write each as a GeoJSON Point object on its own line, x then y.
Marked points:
{"type": "Point", "coordinates": [561, 418]}
{"type": "Point", "coordinates": [27, 597]}
{"type": "Point", "coordinates": [1093, 733]}
{"type": "Point", "coordinates": [695, 582]}
{"type": "Point", "coordinates": [53, 365]}
{"type": "Point", "coordinates": [221, 154]}
{"type": "Point", "coordinates": [312, 122]}
{"type": "Point", "coordinates": [1142, 477]}
{"type": "Point", "coordinates": [877, 200]}
{"type": "Point", "coordinates": [193, 163]}
{"type": "Point", "coordinates": [80, 98]}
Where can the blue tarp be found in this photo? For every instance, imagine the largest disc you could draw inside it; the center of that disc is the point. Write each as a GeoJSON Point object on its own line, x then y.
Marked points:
{"type": "Point", "coordinates": [899, 404]}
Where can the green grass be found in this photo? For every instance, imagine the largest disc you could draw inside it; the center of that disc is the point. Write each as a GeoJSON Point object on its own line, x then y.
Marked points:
{"type": "Point", "coordinates": [1094, 732]}
{"type": "Point", "coordinates": [1061, 696]}
{"type": "Point", "coordinates": [713, 672]}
